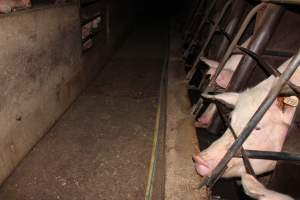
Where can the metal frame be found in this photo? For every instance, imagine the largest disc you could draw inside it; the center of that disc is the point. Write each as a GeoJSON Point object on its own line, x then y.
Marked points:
{"type": "Point", "coordinates": [281, 86]}
{"type": "Point", "coordinates": [212, 84]}
{"type": "Point", "coordinates": [189, 28]}
{"type": "Point", "coordinates": [194, 40]}
{"type": "Point", "coordinates": [279, 83]}
{"type": "Point", "coordinates": [261, 37]}
{"type": "Point", "coordinates": [209, 38]}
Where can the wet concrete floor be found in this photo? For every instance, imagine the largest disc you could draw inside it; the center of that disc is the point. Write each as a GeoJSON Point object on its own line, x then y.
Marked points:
{"type": "Point", "coordinates": [100, 148]}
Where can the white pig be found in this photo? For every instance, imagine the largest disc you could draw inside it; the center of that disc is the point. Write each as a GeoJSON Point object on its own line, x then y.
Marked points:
{"type": "Point", "coordinates": [7, 6]}
{"type": "Point", "coordinates": [222, 80]}
{"type": "Point", "coordinates": [86, 30]}
{"type": "Point", "coordinates": [230, 66]}
{"type": "Point", "coordinates": [256, 190]}
{"type": "Point", "coordinates": [269, 135]}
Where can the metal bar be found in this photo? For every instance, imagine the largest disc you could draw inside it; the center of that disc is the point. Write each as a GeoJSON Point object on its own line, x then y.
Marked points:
{"type": "Point", "coordinates": [248, 166]}
{"type": "Point", "coordinates": [247, 65]}
{"type": "Point", "coordinates": [252, 13]}
{"type": "Point", "coordinates": [257, 45]}
{"type": "Point", "coordinates": [236, 39]}
{"type": "Point", "coordinates": [268, 101]}
{"type": "Point", "coordinates": [282, 1]}
{"type": "Point", "coordinates": [90, 19]}
{"type": "Point", "coordinates": [267, 67]}
{"type": "Point", "coordinates": [277, 53]}
{"type": "Point", "coordinates": [192, 19]}
{"type": "Point", "coordinates": [196, 35]}
{"type": "Point", "coordinates": [271, 155]}
{"type": "Point", "coordinates": [226, 35]}
{"type": "Point", "coordinates": [238, 8]}
{"type": "Point", "coordinates": [208, 39]}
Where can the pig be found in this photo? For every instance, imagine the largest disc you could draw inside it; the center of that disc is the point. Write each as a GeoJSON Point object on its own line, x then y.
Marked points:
{"type": "Point", "coordinates": [90, 27]}
{"type": "Point", "coordinates": [269, 134]}
{"type": "Point", "coordinates": [87, 44]}
{"type": "Point", "coordinates": [222, 80]}
{"type": "Point", "coordinates": [230, 66]}
{"type": "Point", "coordinates": [96, 22]}
{"type": "Point", "coordinates": [256, 190]}
{"type": "Point", "coordinates": [86, 30]}
{"type": "Point", "coordinates": [7, 6]}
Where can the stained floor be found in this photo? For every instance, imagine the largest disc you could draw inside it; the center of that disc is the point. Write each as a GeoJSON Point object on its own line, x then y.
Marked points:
{"type": "Point", "coordinates": [100, 148]}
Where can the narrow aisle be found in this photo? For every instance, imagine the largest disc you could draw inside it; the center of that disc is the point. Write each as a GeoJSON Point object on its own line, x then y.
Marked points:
{"type": "Point", "coordinates": [100, 148]}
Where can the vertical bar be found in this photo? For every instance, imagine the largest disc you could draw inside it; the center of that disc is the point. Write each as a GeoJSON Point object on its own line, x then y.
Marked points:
{"type": "Point", "coordinates": [193, 19]}
{"type": "Point", "coordinates": [107, 14]}
{"type": "Point", "coordinates": [229, 51]}
{"type": "Point", "coordinates": [196, 35]}
{"type": "Point", "coordinates": [212, 32]}
{"type": "Point", "coordinates": [257, 45]}
{"type": "Point", "coordinates": [233, 44]}
{"type": "Point", "coordinates": [237, 10]}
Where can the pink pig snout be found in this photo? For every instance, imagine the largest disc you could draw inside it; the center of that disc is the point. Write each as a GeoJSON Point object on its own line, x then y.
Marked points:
{"type": "Point", "coordinates": [201, 166]}
{"type": "Point", "coordinates": [203, 121]}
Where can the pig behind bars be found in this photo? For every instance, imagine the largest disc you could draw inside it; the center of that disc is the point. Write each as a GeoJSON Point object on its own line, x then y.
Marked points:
{"type": "Point", "coordinates": [222, 80]}
{"type": "Point", "coordinates": [7, 6]}
{"type": "Point", "coordinates": [269, 134]}
{"type": "Point", "coordinates": [256, 190]}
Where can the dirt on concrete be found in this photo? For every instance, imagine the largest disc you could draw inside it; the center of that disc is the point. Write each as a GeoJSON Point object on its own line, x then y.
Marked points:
{"type": "Point", "coordinates": [181, 179]}
{"type": "Point", "coordinates": [100, 148]}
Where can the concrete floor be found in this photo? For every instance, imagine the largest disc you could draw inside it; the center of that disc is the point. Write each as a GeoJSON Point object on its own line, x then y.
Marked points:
{"type": "Point", "coordinates": [100, 148]}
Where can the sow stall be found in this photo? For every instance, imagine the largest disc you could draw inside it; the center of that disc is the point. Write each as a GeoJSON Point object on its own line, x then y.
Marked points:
{"type": "Point", "coordinates": [275, 38]}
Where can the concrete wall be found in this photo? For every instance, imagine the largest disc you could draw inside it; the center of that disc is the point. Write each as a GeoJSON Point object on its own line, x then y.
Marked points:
{"type": "Point", "coordinates": [40, 68]}
{"type": "Point", "coordinates": [42, 71]}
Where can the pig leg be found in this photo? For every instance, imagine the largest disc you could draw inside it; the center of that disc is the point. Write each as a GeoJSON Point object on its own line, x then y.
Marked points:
{"type": "Point", "coordinates": [256, 190]}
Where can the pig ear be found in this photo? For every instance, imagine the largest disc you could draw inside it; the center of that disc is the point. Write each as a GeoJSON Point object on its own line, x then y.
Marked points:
{"type": "Point", "coordinates": [228, 98]}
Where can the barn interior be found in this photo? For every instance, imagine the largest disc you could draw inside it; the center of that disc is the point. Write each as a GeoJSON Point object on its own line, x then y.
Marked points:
{"type": "Point", "coordinates": [104, 99]}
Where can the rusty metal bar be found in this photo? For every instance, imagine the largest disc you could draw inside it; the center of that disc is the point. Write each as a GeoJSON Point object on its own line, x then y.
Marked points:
{"type": "Point", "coordinates": [258, 115]}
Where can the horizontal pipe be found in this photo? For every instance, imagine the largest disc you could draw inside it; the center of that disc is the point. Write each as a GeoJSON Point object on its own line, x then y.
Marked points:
{"type": "Point", "coordinates": [282, 1]}
{"type": "Point", "coordinates": [271, 155]}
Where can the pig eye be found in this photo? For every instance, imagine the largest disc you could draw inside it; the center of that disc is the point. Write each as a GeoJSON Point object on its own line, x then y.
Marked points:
{"type": "Point", "coordinates": [257, 128]}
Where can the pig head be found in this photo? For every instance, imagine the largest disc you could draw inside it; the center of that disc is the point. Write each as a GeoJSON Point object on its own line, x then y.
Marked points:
{"type": "Point", "coordinates": [222, 80]}
{"type": "Point", "coordinates": [269, 134]}
{"type": "Point", "coordinates": [7, 6]}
